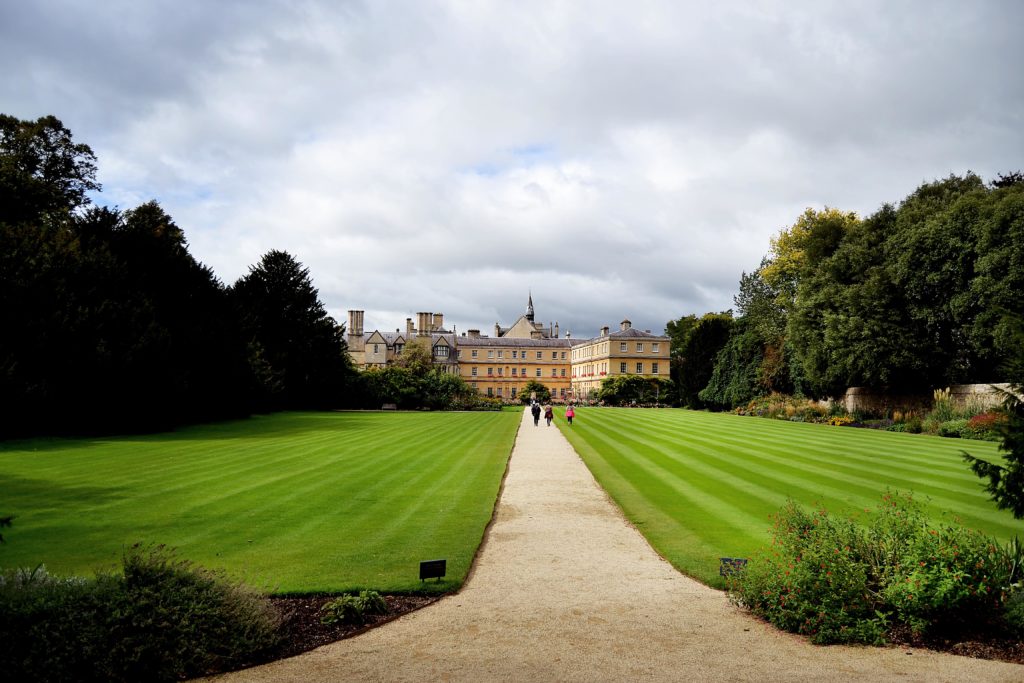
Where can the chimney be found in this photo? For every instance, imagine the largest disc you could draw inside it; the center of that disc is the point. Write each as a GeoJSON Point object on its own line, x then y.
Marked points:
{"type": "Point", "coordinates": [409, 329]}
{"type": "Point", "coordinates": [423, 323]}
{"type": "Point", "coordinates": [439, 321]}
{"type": "Point", "coordinates": [556, 329]}
{"type": "Point", "coordinates": [474, 334]}
{"type": "Point", "coordinates": [568, 334]}
{"type": "Point", "coordinates": [604, 331]}
{"type": "Point", "coordinates": [625, 325]}
{"type": "Point", "coordinates": [497, 330]}
{"type": "Point", "coordinates": [355, 323]}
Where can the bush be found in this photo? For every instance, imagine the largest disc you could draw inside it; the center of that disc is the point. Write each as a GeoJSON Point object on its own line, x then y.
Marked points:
{"type": "Point", "coordinates": [840, 420]}
{"type": "Point", "coordinates": [837, 581]}
{"type": "Point", "coordinates": [953, 428]}
{"type": "Point", "coordinates": [161, 619]}
{"type": "Point", "coordinates": [353, 609]}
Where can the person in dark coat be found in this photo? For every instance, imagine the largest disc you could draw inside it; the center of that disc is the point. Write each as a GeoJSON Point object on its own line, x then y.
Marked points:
{"type": "Point", "coordinates": [536, 413]}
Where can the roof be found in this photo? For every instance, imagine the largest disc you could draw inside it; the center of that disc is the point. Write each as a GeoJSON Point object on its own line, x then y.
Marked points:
{"type": "Point", "coordinates": [515, 341]}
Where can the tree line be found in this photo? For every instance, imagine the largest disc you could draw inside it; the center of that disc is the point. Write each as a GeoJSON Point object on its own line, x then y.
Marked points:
{"type": "Point", "coordinates": [918, 295]}
{"type": "Point", "coordinates": [110, 324]}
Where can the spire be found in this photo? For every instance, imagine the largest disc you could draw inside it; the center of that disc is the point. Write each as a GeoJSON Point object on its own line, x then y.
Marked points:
{"type": "Point", "coordinates": [529, 309]}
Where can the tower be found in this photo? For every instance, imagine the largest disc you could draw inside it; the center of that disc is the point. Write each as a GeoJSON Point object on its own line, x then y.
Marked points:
{"type": "Point", "coordinates": [529, 309]}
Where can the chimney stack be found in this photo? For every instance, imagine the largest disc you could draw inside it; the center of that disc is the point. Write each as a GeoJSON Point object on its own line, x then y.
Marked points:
{"type": "Point", "coordinates": [409, 329]}
{"type": "Point", "coordinates": [625, 325]}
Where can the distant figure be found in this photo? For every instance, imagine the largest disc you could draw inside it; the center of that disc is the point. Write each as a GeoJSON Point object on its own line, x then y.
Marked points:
{"type": "Point", "coordinates": [549, 414]}
{"type": "Point", "coordinates": [570, 414]}
{"type": "Point", "coordinates": [535, 409]}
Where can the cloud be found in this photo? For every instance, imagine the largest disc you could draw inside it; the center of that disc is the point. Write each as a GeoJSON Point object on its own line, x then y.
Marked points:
{"type": "Point", "coordinates": [617, 160]}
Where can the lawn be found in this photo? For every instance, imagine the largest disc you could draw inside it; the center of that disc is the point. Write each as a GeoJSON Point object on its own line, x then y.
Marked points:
{"type": "Point", "coordinates": [293, 502]}
{"type": "Point", "coordinates": [701, 486]}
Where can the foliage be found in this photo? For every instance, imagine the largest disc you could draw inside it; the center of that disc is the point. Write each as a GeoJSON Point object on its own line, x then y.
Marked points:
{"type": "Point", "coordinates": [912, 297]}
{"type": "Point", "coordinates": [44, 175]}
{"type": "Point", "coordinates": [543, 393]}
{"type": "Point", "coordinates": [839, 420]}
{"type": "Point", "coordinates": [619, 390]}
{"type": "Point", "coordinates": [836, 580]}
{"type": "Point", "coordinates": [696, 360]}
{"type": "Point", "coordinates": [1006, 482]}
{"type": "Point", "coordinates": [160, 619]}
{"type": "Point", "coordinates": [415, 387]}
{"type": "Point", "coordinates": [299, 349]}
{"type": "Point", "coordinates": [110, 324]}
{"type": "Point", "coordinates": [353, 609]}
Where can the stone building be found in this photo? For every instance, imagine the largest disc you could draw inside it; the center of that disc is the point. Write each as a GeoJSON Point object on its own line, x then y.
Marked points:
{"type": "Point", "coordinates": [500, 366]}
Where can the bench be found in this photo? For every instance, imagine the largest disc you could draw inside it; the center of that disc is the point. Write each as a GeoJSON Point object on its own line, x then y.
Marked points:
{"type": "Point", "coordinates": [389, 406]}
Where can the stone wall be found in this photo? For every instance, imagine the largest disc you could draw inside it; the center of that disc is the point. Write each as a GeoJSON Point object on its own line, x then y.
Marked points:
{"type": "Point", "coordinates": [882, 403]}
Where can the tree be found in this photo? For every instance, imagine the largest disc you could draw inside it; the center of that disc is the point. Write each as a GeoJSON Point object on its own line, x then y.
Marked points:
{"type": "Point", "coordinates": [44, 175]}
{"type": "Point", "coordinates": [1006, 482]}
{"type": "Point", "coordinates": [533, 386]}
{"type": "Point", "coordinates": [291, 338]}
{"type": "Point", "coordinates": [632, 389]}
{"type": "Point", "coordinates": [416, 357]}
{"type": "Point", "coordinates": [697, 357]}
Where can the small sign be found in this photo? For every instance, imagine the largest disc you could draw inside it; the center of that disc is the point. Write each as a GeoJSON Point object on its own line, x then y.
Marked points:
{"type": "Point", "coordinates": [730, 566]}
{"type": "Point", "coordinates": [432, 569]}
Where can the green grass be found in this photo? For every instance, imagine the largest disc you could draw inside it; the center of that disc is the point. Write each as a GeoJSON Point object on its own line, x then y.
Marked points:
{"type": "Point", "coordinates": [293, 503]}
{"type": "Point", "coordinates": [701, 486]}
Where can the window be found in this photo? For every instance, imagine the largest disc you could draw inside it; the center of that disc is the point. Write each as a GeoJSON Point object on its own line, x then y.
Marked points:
{"type": "Point", "coordinates": [522, 371]}
{"type": "Point", "coordinates": [490, 391]}
{"type": "Point", "coordinates": [501, 354]}
{"type": "Point", "coordinates": [538, 372]}
{"type": "Point", "coordinates": [563, 355]}
{"type": "Point", "coordinates": [554, 372]}
{"type": "Point", "coordinates": [639, 347]}
{"type": "Point", "coordinates": [554, 355]}
{"type": "Point", "coordinates": [499, 392]}
{"type": "Point", "coordinates": [538, 355]}
{"type": "Point", "coordinates": [376, 348]}
{"type": "Point", "coordinates": [622, 367]}
{"type": "Point", "coordinates": [514, 371]}
{"type": "Point", "coordinates": [654, 347]}
{"type": "Point", "coordinates": [490, 372]}
{"type": "Point", "coordinates": [563, 392]}
{"type": "Point", "coordinates": [499, 371]}
{"type": "Point", "coordinates": [474, 353]}
{"type": "Point", "coordinates": [441, 351]}
{"type": "Point", "coordinates": [490, 354]}
{"type": "Point", "coordinates": [639, 368]}
{"type": "Point", "coordinates": [399, 347]}
{"type": "Point", "coordinates": [472, 371]}
{"type": "Point", "coordinates": [622, 346]}
{"type": "Point", "coordinates": [563, 372]}
{"type": "Point", "coordinates": [654, 368]}
{"type": "Point", "coordinates": [515, 354]}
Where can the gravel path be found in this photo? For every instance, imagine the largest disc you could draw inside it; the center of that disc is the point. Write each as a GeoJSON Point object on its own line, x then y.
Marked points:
{"type": "Point", "coordinates": [564, 589]}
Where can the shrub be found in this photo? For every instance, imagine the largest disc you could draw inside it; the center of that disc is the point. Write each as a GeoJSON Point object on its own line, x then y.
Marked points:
{"type": "Point", "coordinates": [837, 581]}
{"type": "Point", "coordinates": [353, 609]}
{"type": "Point", "coordinates": [840, 420]}
{"type": "Point", "coordinates": [942, 406]}
{"type": "Point", "coordinates": [953, 428]}
{"type": "Point", "coordinates": [161, 619]}
{"type": "Point", "coordinates": [913, 425]}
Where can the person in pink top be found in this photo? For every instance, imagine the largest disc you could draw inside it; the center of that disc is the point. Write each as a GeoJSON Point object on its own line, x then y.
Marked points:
{"type": "Point", "coordinates": [570, 414]}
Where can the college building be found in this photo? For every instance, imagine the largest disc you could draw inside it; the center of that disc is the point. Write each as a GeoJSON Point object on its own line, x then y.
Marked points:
{"type": "Point", "coordinates": [502, 364]}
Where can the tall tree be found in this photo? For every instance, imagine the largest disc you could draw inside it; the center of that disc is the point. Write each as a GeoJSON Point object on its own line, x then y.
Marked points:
{"type": "Point", "coordinates": [1005, 482]}
{"type": "Point", "coordinates": [43, 174]}
{"type": "Point", "coordinates": [297, 351]}
{"type": "Point", "coordinates": [697, 358]}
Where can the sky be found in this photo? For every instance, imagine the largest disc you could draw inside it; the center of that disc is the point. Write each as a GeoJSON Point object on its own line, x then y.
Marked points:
{"type": "Point", "coordinates": [613, 159]}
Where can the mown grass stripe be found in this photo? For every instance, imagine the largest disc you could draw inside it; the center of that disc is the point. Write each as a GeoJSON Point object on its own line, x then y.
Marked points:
{"type": "Point", "coordinates": [299, 502]}
{"type": "Point", "coordinates": [703, 485]}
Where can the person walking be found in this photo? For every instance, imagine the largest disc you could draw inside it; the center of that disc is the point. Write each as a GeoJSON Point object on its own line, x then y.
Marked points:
{"type": "Point", "coordinates": [549, 414]}
{"type": "Point", "coordinates": [570, 414]}
{"type": "Point", "coordinates": [535, 409]}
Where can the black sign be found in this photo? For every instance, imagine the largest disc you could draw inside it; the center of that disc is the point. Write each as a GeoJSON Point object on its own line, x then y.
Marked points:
{"type": "Point", "coordinates": [432, 569]}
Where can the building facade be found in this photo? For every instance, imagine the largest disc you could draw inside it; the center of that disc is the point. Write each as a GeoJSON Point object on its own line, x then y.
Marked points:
{"type": "Point", "coordinates": [500, 366]}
